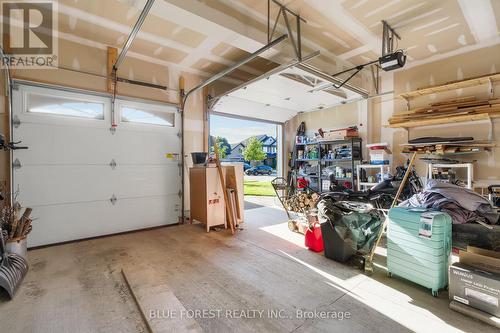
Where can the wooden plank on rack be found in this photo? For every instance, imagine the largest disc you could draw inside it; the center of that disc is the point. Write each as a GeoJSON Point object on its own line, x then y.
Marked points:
{"type": "Point", "coordinates": [456, 100]}
{"type": "Point", "coordinates": [439, 121]}
{"type": "Point", "coordinates": [452, 85]}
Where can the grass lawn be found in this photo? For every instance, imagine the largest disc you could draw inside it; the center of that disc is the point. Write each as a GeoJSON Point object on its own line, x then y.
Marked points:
{"type": "Point", "coordinates": [260, 188]}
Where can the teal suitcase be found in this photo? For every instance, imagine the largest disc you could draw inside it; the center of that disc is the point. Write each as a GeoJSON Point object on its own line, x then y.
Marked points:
{"type": "Point", "coordinates": [419, 246]}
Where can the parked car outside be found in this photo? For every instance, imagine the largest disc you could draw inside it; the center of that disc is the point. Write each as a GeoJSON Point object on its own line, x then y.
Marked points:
{"type": "Point", "coordinates": [246, 166]}
{"type": "Point", "coordinates": [260, 170]}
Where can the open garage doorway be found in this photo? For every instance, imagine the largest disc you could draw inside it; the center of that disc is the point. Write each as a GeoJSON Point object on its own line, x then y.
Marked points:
{"type": "Point", "coordinates": [256, 144]}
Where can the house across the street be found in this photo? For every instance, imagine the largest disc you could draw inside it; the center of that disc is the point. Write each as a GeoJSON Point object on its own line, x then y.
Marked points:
{"type": "Point", "coordinates": [268, 145]}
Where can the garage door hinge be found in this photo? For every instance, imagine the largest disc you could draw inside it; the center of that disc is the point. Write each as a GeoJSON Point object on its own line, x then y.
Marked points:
{"type": "Point", "coordinates": [15, 87]}
{"type": "Point", "coordinates": [17, 164]}
{"type": "Point", "coordinates": [113, 199]}
{"type": "Point", "coordinates": [179, 194]}
{"type": "Point", "coordinates": [179, 134]}
{"type": "Point", "coordinates": [112, 164]}
{"type": "Point", "coordinates": [112, 130]}
{"type": "Point", "coordinates": [179, 110]}
{"type": "Point", "coordinates": [16, 122]}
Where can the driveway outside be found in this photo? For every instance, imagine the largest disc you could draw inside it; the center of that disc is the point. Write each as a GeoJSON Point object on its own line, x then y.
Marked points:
{"type": "Point", "coordinates": [259, 178]}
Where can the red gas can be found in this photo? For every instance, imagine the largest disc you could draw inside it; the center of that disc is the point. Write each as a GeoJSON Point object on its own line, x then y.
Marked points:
{"type": "Point", "coordinates": [313, 238]}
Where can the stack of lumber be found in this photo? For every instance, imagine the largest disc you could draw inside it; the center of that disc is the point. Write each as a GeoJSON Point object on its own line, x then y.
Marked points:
{"type": "Point", "coordinates": [456, 110]}
{"type": "Point", "coordinates": [446, 148]}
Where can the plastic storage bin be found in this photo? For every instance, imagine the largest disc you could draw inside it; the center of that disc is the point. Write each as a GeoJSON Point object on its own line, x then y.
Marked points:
{"type": "Point", "coordinates": [419, 246]}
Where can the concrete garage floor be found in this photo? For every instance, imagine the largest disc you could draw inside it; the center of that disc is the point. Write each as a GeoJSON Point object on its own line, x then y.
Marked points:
{"type": "Point", "coordinates": [79, 287]}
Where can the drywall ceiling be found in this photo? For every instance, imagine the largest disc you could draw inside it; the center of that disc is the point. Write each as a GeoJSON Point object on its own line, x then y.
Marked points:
{"type": "Point", "coordinates": [169, 35]}
{"type": "Point", "coordinates": [281, 96]}
{"type": "Point", "coordinates": [206, 36]}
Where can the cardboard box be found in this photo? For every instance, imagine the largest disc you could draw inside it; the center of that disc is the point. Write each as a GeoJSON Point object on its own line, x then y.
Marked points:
{"type": "Point", "coordinates": [340, 134]}
{"type": "Point", "coordinates": [475, 280]}
{"type": "Point", "coordinates": [480, 258]}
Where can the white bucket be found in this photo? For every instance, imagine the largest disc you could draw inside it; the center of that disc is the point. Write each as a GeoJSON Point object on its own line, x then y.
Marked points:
{"type": "Point", "coordinates": [19, 247]}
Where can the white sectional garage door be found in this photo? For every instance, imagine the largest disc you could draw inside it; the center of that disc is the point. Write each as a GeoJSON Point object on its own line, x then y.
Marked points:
{"type": "Point", "coordinates": [81, 179]}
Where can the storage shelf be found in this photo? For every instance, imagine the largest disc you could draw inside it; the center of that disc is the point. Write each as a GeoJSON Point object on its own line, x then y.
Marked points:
{"type": "Point", "coordinates": [374, 166]}
{"type": "Point", "coordinates": [443, 121]}
{"type": "Point", "coordinates": [423, 154]}
{"type": "Point", "coordinates": [340, 160]}
{"type": "Point", "coordinates": [468, 166]}
{"type": "Point", "coordinates": [382, 168]}
{"type": "Point", "coordinates": [486, 79]}
{"type": "Point", "coordinates": [469, 143]}
{"type": "Point", "coordinates": [355, 139]}
{"type": "Point", "coordinates": [307, 144]}
{"type": "Point", "coordinates": [351, 143]}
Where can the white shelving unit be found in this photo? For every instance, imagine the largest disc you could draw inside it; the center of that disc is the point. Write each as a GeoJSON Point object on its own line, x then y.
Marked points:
{"type": "Point", "coordinates": [468, 166]}
{"type": "Point", "coordinates": [383, 168]}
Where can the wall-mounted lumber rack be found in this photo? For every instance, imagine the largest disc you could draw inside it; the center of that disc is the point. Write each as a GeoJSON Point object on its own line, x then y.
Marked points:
{"type": "Point", "coordinates": [442, 121]}
{"type": "Point", "coordinates": [471, 82]}
{"type": "Point", "coordinates": [453, 111]}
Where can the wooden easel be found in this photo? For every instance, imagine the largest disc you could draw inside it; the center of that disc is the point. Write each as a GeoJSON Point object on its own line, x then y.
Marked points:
{"type": "Point", "coordinates": [229, 208]}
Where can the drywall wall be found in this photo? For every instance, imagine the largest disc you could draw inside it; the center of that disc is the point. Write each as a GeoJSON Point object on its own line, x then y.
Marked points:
{"type": "Point", "coordinates": [373, 115]}
{"type": "Point", "coordinates": [352, 114]}
{"type": "Point", "coordinates": [480, 62]}
{"type": "Point", "coordinates": [84, 67]}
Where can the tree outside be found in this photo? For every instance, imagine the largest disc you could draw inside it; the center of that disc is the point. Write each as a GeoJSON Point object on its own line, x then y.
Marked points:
{"type": "Point", "coordinates": [254, 152]}
{"type": "Point", "coordinates": [223, 147]}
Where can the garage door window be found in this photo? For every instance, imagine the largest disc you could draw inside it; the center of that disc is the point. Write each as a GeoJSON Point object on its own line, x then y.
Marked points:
{"type": "Point", "coordinates": [68, 107]}
{"type": "Point", "coordinates": [153, 117]}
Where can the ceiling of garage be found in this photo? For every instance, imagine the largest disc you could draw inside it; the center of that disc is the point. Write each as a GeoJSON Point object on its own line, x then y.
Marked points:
{"type": "Point", "coordinates": [281, 96]}
{"type": "Point", "coordinates": [206, 36]}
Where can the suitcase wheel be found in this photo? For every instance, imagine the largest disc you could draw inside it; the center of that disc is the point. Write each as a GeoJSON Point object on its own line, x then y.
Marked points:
{"type": "Point", "coordinates": [389, 274]}
{"type": "Point", "coordinates": [435, 293]}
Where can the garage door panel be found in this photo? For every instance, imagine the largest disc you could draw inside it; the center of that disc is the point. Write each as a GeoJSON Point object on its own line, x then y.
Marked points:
{"type": "Point", "coordinates": [62, 145]}
{"type": "Point", "coordinates": [66, 176]}
{"type": "Point", "coordinates": [48, 185]}
{"type": "Point", "coordinates": [144, 148]}
{"type": "Point", "coordinates": [137, 181]}
{"type": "Point", "coordinates": [59, 223]}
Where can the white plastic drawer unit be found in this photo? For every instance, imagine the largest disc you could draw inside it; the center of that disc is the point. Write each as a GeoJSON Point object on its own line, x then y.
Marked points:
{"type": "Point", "coordinates": [84, 180]}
